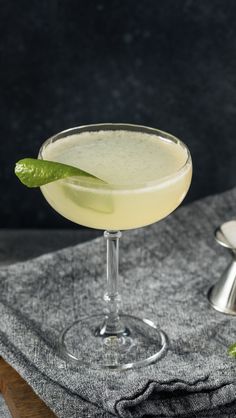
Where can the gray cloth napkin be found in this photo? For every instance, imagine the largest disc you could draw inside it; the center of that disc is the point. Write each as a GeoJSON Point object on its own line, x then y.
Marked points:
{"type": "Point", "coordinates": [4, 411]}
{"type": "Point", "coordinates": [166, 270]}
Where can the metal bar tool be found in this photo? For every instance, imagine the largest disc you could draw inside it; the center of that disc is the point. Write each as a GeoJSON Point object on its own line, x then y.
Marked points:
{"type": "Point", "coordinates": [222, 296]}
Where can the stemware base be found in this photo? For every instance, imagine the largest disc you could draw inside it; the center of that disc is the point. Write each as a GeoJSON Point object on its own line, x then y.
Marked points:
{"type": "Point", "coordinates": [84, 343]}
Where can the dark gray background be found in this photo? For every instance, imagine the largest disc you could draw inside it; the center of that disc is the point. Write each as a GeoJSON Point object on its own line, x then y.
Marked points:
{"type": "Point", "coordinates": [168, 64]}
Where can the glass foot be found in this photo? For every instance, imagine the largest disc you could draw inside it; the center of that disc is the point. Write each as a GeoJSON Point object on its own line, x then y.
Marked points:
{"type": "Point", "coordinates": [140, 344]}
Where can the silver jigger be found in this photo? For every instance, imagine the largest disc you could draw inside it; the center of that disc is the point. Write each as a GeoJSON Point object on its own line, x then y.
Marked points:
{"type": "Point", "coordinates": [222, 296]}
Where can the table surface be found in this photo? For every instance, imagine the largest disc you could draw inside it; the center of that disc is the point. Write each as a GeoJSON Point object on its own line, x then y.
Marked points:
{"type": "Point", "coordinates": [20, 245]}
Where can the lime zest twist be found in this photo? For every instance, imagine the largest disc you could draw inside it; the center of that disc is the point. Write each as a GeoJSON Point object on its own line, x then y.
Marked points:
{"type": "Point", "coordinates": [35, 173]}
{"type": "Point", "coordinates": [232, 350]}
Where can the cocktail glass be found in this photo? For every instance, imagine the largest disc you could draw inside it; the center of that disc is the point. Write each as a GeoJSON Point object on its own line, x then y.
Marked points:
{"type": "Point", "coordinates": [113, 339]}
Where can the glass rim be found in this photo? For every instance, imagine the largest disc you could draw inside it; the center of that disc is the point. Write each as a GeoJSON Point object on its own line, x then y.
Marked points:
{"type": "Point", "coordinates": [87, 183]}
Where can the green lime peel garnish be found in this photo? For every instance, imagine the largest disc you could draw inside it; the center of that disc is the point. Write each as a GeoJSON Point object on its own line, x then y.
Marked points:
{"type": "Point", "coordinates": [35, 173]}
{"type": "Point", "coordinates": [232, 350]}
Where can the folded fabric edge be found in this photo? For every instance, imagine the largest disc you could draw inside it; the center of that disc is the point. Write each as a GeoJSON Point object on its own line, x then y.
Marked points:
{"type": "Point", "coordinates": [176, 399]}
{"type": "Point", "coordinates": [73, 402]}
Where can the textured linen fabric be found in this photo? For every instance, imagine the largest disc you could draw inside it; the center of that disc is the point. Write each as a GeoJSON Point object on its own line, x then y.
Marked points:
{"type": "Point", "coordinates": [4, 411]}
{"type": "Point", "coordinates": [166, 270]}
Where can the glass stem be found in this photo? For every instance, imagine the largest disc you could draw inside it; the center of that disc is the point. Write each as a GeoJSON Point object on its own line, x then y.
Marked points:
{"type": "Point", "coordinates": [112, 324]}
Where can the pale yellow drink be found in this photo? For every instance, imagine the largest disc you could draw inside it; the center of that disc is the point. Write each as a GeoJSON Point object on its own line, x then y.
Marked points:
{"type": "Point", "coordinates": [147, 178]}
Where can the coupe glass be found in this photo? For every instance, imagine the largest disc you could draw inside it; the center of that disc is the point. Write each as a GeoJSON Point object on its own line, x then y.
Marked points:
{"type": "Point", "coordinates": [115, 340]}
